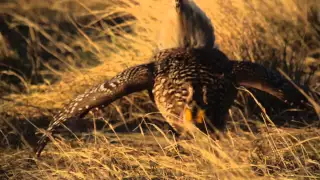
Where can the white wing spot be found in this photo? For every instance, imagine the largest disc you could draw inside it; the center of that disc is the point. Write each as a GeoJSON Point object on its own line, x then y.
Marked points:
{"type": "Point", "coordinates": [113, 85]}
{"type": "Point", "coordinates": [72, 109]}
{"type": "Point", "coordinates": [79, 99]}
{"type": "Point", "coordinates": [102, 88]}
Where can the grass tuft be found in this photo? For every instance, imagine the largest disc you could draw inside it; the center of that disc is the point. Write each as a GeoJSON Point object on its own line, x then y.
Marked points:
{"type": "Point", "coordinates": [52, 50]}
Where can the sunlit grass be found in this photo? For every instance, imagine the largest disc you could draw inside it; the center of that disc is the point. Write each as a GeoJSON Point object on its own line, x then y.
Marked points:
{"type": "Point", "coordinates": [85, 50]}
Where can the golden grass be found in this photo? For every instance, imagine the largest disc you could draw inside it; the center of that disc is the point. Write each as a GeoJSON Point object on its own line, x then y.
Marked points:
{"type": "Point", "coordinates": [252, 30]}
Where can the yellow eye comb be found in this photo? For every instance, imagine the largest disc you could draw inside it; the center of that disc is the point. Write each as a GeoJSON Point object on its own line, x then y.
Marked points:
{"type": "Point", "coordinates": [189, 118]}
{"type": "Point", "coordinates": [200, 116]}
{"type": "Point", "coordinates": [187, 115]}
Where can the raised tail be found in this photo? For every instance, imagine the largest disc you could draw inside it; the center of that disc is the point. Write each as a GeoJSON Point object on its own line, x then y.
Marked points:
{"type": "Point", "coordinates": [192, 28]}
{"type": "Point", "coordinates": [256, 76]}
{"type": "Point", "coordinates": [196, 29]}
{"type": "Point", "coordinates": [131, 80]}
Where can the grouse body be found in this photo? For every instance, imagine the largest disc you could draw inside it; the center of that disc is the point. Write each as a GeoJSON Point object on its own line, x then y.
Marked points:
{"type": "Point", "coordinates": [193, 84]}
{"type": "Point", "coordinates": [188, 85]}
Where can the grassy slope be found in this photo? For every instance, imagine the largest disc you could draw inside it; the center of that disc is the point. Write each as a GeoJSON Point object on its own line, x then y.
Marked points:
{"type": "Point", "coordinates": [253, 30]}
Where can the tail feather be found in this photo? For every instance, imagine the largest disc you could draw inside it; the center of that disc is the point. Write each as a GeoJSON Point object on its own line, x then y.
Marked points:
{"type": "Point", "coordinates": [193, 28]}
{"type": "Point", "coordinates": [134, 79]}
{"type": "Point", "coordinates": [196, 28]}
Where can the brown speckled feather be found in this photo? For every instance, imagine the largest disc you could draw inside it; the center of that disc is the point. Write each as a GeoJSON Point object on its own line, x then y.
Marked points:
{"type": "Point", "coordinates": [131, 80]}
{"type": "Point", "coordinates": [177, 77]}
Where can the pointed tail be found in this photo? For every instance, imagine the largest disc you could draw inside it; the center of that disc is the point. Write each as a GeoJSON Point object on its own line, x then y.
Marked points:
{"type": "Point", "coordinates": [196, 28]}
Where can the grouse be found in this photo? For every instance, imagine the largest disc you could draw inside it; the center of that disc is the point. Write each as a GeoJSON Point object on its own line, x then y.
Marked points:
{"type": "Point", "coordinates": [193, 84]}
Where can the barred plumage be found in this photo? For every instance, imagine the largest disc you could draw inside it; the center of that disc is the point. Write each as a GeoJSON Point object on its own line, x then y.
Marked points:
{"type": "Point", "coordinates": [192, 84]}
{"type": "Point", "coordinates": [131, 80]}
{"type": "Point", "coordinates": [180, 78]}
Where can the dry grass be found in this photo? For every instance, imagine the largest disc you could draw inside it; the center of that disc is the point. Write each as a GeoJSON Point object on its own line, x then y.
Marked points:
{"type": "Point", "coordinates": [71, 45]}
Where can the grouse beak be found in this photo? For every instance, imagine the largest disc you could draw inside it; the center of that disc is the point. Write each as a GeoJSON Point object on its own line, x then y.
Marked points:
{"type": "Point", "coordinates": [193, 115]}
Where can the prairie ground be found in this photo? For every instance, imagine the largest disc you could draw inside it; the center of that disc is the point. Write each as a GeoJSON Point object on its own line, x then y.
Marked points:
{"type": "Point", "coordinates": [52, 50]}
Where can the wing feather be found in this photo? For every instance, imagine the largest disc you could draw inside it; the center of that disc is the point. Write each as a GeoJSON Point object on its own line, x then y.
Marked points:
{"type": "Point", "coordinates": [256, 76]}
{"type": "Point", "coordinates": [131, 80]}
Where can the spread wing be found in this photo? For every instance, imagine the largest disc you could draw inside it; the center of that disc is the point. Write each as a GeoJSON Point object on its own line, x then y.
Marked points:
{"type": "Point", "coordinates": [254, 75]}
{"type": "Point", "coordinates": [131, 80]}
